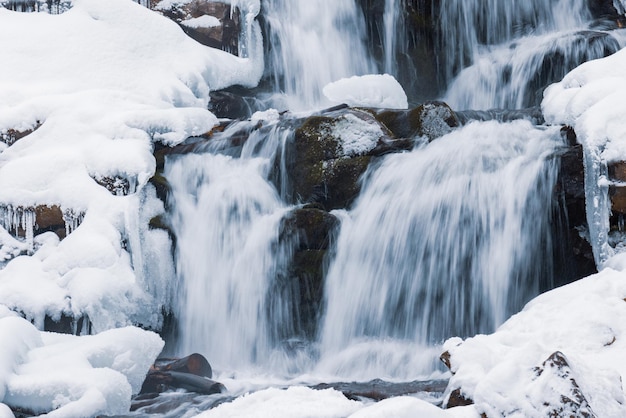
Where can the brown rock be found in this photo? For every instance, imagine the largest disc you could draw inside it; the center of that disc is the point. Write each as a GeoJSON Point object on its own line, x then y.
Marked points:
{"type": "Point", "coordinates": [458, 399]}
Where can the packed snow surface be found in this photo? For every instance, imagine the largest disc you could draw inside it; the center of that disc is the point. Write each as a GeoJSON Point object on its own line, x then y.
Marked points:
{"type": "Point", "coordinates": [373, 90]}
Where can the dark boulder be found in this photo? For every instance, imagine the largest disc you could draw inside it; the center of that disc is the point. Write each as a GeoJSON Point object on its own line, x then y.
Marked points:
{"type": "Point", "coordinates": [192, 373]}
{"type": "Point", "coordinates": [431, 120]}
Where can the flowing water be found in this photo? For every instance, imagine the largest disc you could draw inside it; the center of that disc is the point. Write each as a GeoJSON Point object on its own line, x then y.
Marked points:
{"type": "Point", "coordinates": [448, 239]}
{"type": "Point", "coordinates": [501, 54]}
{"type": "Point", "coordinates": [313, 43]}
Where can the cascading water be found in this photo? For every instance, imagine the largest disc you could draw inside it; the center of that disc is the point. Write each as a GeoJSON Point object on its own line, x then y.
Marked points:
{"type": "Point", "coordinates": [500, 54]}
{"type": "Point", "coordinates": [226, 220]}
{"type": "Point", "coordinates": [313, 43]}
{"type": "Point", "coordinates": [444, 243]}
{"type": "Point", "coordinates": [448, 239]}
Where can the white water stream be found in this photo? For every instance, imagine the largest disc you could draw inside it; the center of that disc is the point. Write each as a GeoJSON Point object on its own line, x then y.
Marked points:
{"type": "Point", "coordinates": [449, 239]}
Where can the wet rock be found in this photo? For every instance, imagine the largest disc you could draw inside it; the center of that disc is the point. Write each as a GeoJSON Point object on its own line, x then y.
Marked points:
{"type": "Point", "coordinates": [378, 389]}
{"type": "Point", "coordinates": [158, 381]}
{"type": "Point", "coordinates": [617, 190]}
{"type": "Point", "coordinates": [306, 274]}
{"type": "Point", "coordinates": [225, 35]}
{"type": "Point", "coordinates": [562, 59]}
{"type": "Point", "coordinates": [415, 55]}
{"type": "Point", "coordinates": [457, 398]}
{"type": "Point", "coordinates": [161, 186]}
{"type": "Point", "coordinates": [311, 227]}
{"type": "Point", "coordinates": [194, 363]}
{"type": "Point", "coordinates": [231, 104]}
{"type": "Point", "coordinates": [328, 155]}
{"type": "Point", "coordinates": [431, 119]}
{"type": "Point", "coordinates": [570, 190]}
{"type": "Point", "coordinates": [605, 10]}
{"type": "Point", "coordinates": [192, 373]}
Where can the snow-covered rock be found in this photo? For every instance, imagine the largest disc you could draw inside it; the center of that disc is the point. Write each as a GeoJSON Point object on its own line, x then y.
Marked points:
{"type": "Point", "coordinates": [88, 92]}
{"type": "Point", "coordinates": [562, 352]}
{"type": "Point", "coordinates": [373, 90]}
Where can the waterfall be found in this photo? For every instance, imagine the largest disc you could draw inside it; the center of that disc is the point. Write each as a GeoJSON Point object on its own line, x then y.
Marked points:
{"type": "Point", "coordinates": [226, 217]}
{"type": "Point", "coordinates": [313, 43]}
{"type": "Point", "coordinates": [501, 54]}
{"type": "Point", "coordinates": [391, 20]}
{"type": "Point", "coordinates": [448, 239]}
{"type": "Point", "coordinates": [443, 242]}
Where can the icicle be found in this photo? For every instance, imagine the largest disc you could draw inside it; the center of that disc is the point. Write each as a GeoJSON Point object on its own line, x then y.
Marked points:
{"type": "Point", "coordinates": [72, 220]}
{"type": "Point", "coordinates": [19, 220]}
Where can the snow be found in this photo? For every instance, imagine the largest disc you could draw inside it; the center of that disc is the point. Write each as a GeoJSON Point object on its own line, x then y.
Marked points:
{"type": "Point", "coordinates": [204, 21]}
{"type": "Point", "coordinates": [582, 320]}
{"type": "Point", "coordinates": [301, 402]}
{"type": "Point", "coordinates": [69, 375]}
{"type": "Point", "coordinates": [105, 80]}
{"type": "Point", "coordinates": [99, 84]}
{"type": "Point", "coordinates": [355, 135]}
{"type": "Point", "coordinates": [590, 99]}
{"type": "Point", "coordinates": [373, 90]}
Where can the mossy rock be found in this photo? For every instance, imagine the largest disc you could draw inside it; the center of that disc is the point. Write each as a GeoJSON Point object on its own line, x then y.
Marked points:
{"type": "Point", "coordinates": [320, 163]}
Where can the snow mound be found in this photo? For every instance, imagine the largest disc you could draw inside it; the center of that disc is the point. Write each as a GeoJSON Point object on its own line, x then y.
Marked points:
{"type": "Point", "coordinates": [291, 403]}
{"type": "Point", "coordinates": [69, 375]}
{"type": "Point", "coordinates": [373, 90]}
{"type": "Point", "coordinates": [562, 351]}
{"type": "Point", "coordinates": [97, 86]}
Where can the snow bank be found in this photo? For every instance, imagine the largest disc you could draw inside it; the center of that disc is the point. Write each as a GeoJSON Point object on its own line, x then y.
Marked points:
{"type": "Point", "coordinates": [378, 91]}
{"type": "Point", "coordinates": [72, 376]}
{"type": "Point", "coordinates": [506, 373]}
{"type": "Point", "coordinates": [101, 83]}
